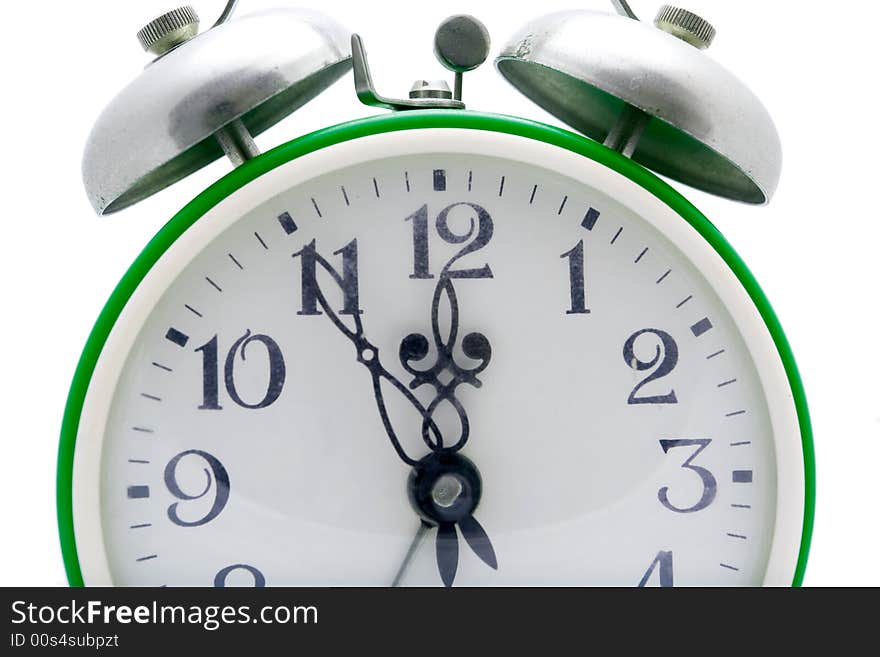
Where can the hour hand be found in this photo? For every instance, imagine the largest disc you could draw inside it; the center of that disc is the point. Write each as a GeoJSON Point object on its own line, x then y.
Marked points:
{"type": "Point", "coordinates": [445, 488]}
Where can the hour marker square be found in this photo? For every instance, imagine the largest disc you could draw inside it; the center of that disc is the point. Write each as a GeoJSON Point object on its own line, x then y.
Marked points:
{"type": "Point", "coordinates": [742, 476]}
{"type": "Point", "coordinates": [177, 337]}
{"type": "Point", "coordinates": [701, 327]}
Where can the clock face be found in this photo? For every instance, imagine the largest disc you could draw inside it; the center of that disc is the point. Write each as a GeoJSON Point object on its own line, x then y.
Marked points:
{"type": "Point", "coordinates": [443, 358]}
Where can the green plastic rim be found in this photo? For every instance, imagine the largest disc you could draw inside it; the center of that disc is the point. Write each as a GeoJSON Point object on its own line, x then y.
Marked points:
{"type": "Point", "coordinates": [252, 169]}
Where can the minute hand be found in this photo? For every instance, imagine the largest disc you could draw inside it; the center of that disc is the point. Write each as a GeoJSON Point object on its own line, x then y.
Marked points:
{"type": "Point", "coordinates": [368, 355]}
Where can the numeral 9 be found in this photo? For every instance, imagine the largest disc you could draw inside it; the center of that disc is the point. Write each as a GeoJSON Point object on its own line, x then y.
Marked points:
{"type": "Point", "coordinates": [217, 478]}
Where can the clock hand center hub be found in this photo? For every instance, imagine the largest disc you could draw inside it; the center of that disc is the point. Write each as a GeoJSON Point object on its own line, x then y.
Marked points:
{"type": "Point", "coordinates": [446, 490]}
{"type": "Point", "coordinates": [444, 487]}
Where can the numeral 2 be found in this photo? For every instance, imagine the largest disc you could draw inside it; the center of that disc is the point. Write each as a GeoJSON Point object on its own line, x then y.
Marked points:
{"type": "Point", "coordinates": [664, 359]}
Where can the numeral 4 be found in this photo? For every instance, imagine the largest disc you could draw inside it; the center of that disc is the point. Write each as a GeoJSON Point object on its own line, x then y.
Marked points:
{"type": "Point", "coordinates": [663, 564]}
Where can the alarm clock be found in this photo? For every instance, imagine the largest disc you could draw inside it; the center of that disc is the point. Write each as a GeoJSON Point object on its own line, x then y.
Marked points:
{"type": "Point", "coordinates": [436, 347]}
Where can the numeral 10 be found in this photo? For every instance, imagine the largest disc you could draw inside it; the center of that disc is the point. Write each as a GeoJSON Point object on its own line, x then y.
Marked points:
{"type": "Point", "coordinates": [211, 367]}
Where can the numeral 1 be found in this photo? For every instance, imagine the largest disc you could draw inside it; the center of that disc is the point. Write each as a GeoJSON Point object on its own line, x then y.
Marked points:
{"type": "Point", "coordinates": [421, 265]}
{"type": "Point", "coordinates": [210, 385]}
{"type": "Point", "coordinates": [576, 278]}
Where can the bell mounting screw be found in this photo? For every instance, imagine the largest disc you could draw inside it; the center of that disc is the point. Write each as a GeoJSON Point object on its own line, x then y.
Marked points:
{"type": "Point", "coordinates": [173, 28]}
{"type": "Point", "coordinates": [169, 30]}
{"type": "Point", "coordinates": [685, 25]}
{"type": "Point", "coordinates": [430, 89]}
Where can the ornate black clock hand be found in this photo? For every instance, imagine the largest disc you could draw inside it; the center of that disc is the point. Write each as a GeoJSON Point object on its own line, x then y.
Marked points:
{"type": "Point", "coordinates": [447, 546]}
{"type": "Point", "coordinates": [447, 490]}
{"type": "Point", "coordinates": [444, 487]}
{"type": "Point", "coordinates": [368, 355]}
{"type": "Point", "coordinates": [414, 348]}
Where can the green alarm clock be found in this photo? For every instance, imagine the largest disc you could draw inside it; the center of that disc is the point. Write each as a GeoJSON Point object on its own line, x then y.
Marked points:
{"type": "Point", "coordinates": [436, 347]}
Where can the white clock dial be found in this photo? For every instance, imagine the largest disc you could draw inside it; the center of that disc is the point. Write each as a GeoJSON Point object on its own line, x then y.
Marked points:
{"type": "Point", "coordinates": [596, 373]}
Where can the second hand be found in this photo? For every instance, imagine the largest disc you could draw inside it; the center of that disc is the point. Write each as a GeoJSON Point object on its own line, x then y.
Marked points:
{"type": "Point", "coordinates": [411, 552]}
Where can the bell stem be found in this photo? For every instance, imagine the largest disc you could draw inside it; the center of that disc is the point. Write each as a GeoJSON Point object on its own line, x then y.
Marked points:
{"type": "Point", "coordinates": [236, 142]}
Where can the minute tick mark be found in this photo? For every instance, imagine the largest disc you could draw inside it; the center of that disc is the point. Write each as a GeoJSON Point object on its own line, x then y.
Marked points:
{"type": "Point", "coordinates": [317, 209]}
{"type": "Point", "coordinates": [162, 367]}
{"type": "Point", "coordinates": [562, 205]}
{"type": "Point", "coordinates": [641, 255]}
{"type": "Point", "coordinates": [147, 558]}
{"type": "Point", "coordinates": [729, 567]}
{"type": "Point", "coordinates": [717, 353]}
{"type": "Point", "coordinates": [616, 235]}
{"type": "Point", "coordinates": [344, 194]}
{"type": "Point", "coordinates": [726, 383]}
{"type": "Point", "coordinates": [192, 310]}
{"type": "Point", "coordinates": [260, 240]}
{"type": "Point", "coordinates": [660, 280]}
{"type": "Point", "coordinates": [532, 197]}
{"type": "Point", "coordinates": [684, 301]}
{"type": "Point", "coordinates": [213, 284]}
{"type": "Point", "coordinates": [376, 188]}
{"type": "Point", "coordinates": [501, 187]}
{"type": "Point", "coordinates": [237, 263]}
{"type": "Point", "coordinates": [153, 397]}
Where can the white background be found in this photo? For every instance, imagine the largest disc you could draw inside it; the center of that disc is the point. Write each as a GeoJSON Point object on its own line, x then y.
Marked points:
{"type": "Point", "coordinates": [813, 249]}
